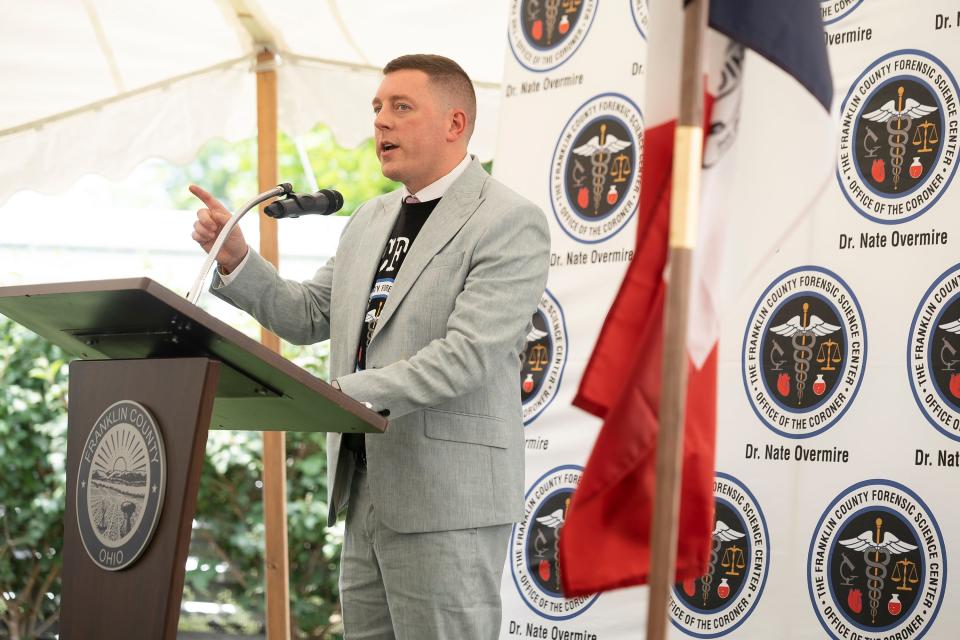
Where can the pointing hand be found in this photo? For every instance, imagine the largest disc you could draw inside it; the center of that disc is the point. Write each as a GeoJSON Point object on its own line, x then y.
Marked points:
{"type": "Point", "coordinates": [210, 220]}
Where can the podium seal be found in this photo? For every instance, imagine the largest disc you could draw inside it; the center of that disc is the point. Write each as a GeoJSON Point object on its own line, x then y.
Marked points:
{"type": "Point", "coordinates": [120, 485]}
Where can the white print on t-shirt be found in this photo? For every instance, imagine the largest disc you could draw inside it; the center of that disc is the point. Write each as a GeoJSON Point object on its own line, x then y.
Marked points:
{"type": "Point", "coordinates": [396, 249]}
{"type": "Point", "coordinates": [379, 294]}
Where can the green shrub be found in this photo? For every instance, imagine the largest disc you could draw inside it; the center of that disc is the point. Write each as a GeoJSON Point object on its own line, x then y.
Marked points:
{"type": "Point", "coordinates": [228, 535]}
{"type": "Point", "coordinates": [33, 431]}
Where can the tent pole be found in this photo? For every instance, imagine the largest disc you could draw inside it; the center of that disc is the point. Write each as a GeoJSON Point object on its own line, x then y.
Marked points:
{"type": "Point", "coordinates": [684, 208]}
{"type": "Point", "coordinates": [276, 563]}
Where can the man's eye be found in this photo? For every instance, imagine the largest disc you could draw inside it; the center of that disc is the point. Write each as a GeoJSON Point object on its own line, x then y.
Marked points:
{"type": "Point", "coordinates": [376, 109]}
{"type": "Point", "coordinates": [402, 106]}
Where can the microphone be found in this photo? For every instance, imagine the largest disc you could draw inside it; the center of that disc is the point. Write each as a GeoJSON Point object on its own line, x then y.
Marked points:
{"type": "Point", "coordinates": [323, 202]}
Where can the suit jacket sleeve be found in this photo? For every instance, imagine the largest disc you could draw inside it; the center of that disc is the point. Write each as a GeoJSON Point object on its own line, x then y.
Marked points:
{"type": "Point", "coordinates": [500, 294]}
{"type": "Point", "coordinates": [298, 312]}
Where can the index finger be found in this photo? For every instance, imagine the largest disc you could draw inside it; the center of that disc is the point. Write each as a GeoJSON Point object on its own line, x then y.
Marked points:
{"type": "Point", "coordinates": [206, 198]}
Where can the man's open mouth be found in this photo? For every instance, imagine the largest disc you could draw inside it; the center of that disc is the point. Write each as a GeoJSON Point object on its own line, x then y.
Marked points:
{"type": "Point", "coordinates": [387, 146]}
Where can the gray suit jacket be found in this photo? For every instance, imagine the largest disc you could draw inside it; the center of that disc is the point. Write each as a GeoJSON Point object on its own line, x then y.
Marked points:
{"type": "Point", "coordinates": [444, 358]}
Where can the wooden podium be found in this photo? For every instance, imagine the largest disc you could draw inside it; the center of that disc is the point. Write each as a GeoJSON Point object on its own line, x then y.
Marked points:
{"type": "Point", "coordinates": [156, 372]}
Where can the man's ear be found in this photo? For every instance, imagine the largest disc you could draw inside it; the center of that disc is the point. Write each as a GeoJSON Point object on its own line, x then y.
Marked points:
{"type": "Point", "coordinates": [458, 124]}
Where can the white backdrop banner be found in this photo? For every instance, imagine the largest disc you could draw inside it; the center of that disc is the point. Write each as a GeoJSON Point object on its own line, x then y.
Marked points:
{"type": "Point", "coordinates": [838, 451]}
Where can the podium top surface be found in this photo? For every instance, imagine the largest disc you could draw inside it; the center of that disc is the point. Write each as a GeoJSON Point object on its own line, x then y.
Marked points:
{"type": "Point", "coordinates": [136, 318]}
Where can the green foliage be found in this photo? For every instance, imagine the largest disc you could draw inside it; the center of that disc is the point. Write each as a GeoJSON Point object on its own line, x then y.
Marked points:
{"type": "Point", "coordinates": [226, 549]}
{"type": "Point", "coordinates": [228, 537]}
{"type": "Point", "coordinates": [228, 534]}
{"type": "Point", "coordinates": [230, 170]}
{"type": "Point", "coordinates": [32, 494]}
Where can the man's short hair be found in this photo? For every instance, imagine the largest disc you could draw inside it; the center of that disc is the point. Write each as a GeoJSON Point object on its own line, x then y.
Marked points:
{"type": "Point", "coordinates": [445, 74]}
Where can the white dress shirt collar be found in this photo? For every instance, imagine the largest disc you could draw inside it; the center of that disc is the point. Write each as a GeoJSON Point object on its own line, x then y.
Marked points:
{"type": "Point", "coordinates": [436, 189]}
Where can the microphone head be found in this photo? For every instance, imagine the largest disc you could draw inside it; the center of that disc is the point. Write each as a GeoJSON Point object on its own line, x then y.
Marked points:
{"type": "Point", "coordinates": [323, 202]}
{"type": "Point", "coordinates": [334, 200]}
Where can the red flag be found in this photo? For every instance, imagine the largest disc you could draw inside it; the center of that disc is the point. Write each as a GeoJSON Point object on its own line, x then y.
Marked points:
{"type": "Point", "coordinates": [606, 536]}
{"type": "Point", "coordinates": [622, 385]}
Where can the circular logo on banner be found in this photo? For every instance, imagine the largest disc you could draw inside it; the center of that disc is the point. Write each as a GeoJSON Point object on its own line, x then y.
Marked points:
{"type": "Point", "coordinates": [804, 351]}
{"type": "Point", "coordinates": [897, 153]}
{"type": "Point", "coordinates": [543, 358]}
{"type": "Point", "coordinates": [640, 9]}
{"type": "Point", "coordinates": [834, 10]}
{"type": "Point", "coordinates": [595, 170]}
{"type": "Point", "coordinates": [933, 359]}
{"type": "Point", "coordinates": [543, 34]}
{"type": "Point", "coordinates": [877, 566]}
{"type": "Point", "coordinates": [120, 485]}
{"type": "Point", "coordinates": [535, 542]}
{"type": "Point", "coordinates": [719, 601]}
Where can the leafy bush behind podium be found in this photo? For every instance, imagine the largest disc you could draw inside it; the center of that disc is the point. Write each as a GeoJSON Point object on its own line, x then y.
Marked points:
{"type": "Point", "coordinates": [227, 542]}
{"type": "Point", "coordinates": [228, 534]}
{"type": "Point", "coordinates": [33, 429]}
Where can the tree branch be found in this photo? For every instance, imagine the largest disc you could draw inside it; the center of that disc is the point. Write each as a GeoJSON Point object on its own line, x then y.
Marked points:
{"type": "Point", "coordinates": [228, 491]}
{"type": "Point", "coordinates": [36, 609]}
{"type": "Point", "coordinates": [12, 622]}
{"type": "Point", "coordinates": [231, 568]}
{"type": "Point", "coordinates": [28, 587]}
{"type": "Point", "coordinates": [43, 628]}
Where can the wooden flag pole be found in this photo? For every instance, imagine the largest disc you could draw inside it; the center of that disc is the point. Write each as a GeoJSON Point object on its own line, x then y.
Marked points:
{"type": "Point", "coordinates": [684, 207]}
{"type": "Point", "coordinates": [274, 442]}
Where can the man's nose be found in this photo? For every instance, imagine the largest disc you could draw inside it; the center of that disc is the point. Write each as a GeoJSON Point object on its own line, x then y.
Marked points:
{"type": "Point", "coordinates": [382, 120]}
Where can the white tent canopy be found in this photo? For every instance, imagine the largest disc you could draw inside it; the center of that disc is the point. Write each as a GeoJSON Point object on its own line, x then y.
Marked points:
{"type": "Point", "coordinates": [98, 86]}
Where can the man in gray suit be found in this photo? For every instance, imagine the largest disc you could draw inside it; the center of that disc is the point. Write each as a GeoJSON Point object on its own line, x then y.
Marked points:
{"type": "Point", "coordinates": [427, 303]}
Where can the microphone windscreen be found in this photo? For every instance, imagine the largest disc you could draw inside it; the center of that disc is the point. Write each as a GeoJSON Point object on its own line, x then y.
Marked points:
{"type": "Point", "coordinates": [334, 200]}
{"type": "Point", "coordinates": [323, 202]}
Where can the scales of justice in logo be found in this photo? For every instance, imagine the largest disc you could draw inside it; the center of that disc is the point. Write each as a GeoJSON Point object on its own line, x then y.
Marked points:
{"type": "Point", "coordinates": [788, 370]}
{"type": "Point", "coordinates": [543, 34]}
{"type": "Point", "coordinates": [899, 137]}
{"type": "Point", "coordinates": [600, 169]}
{"type": "Point", "coordinates": [120, 485]}
{"type": "Point", "coordinates": [543, 358]}
{"type": "Point", "coordinates": [877, 564]}
{"type": "Point", "coordinates": [874, 553]}
{"type": "Point", "coordinates": [534, 358]}
{"type": "Point", "coordinates": [547, 23]}
{"type": "Point", "coordinates": [895, 157]}
{"type": "Point", "coordinates": [595, 168]}
{"type": "Point", "coordinates": [721, 599]}
{"type": "Point", "coordinates": [702, 593]}
{"type": "Point", "coordinates": [804, 352]}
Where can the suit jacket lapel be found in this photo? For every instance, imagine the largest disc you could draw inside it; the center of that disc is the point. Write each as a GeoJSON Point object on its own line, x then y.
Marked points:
{"type": "Point", "coordinates": [362, 268]}
{"type": "Point", "coordinates": [457, 205]}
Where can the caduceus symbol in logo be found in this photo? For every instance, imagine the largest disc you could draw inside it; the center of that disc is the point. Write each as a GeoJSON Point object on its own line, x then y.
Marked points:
{"type": "Point", "coordinates": [798, 330]}
{"type": "Point", "coordinates": [902, 115]}
{"type": "Point", "coordinates": [600, 149]}
{"type": "Point", "coordinates": [722, 532]}
{"type": "Point", "coordinates": [882, 548]}
{"type": "Point", "coordinates": [552, 9]}
{"type": "Point", "coordinates": [554, 521]}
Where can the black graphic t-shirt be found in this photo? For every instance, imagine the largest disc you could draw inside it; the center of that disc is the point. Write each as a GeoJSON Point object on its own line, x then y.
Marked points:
{"type": "Point", "coordinates": [405, 230]}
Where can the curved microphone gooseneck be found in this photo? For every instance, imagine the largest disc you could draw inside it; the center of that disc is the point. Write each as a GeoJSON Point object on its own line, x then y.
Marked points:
{"type": "Point", "coordinates": [279, 190]}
